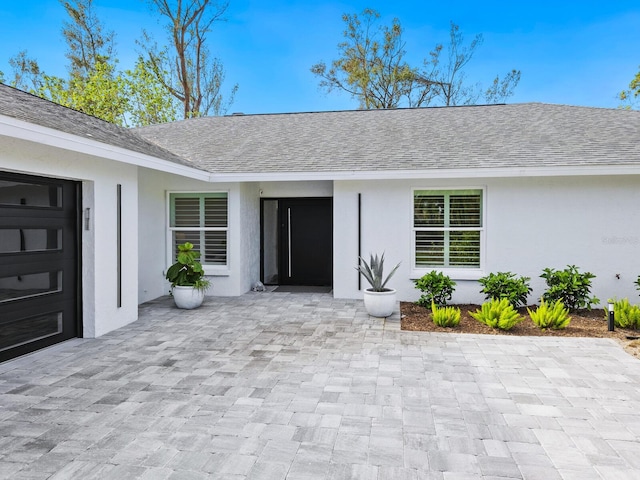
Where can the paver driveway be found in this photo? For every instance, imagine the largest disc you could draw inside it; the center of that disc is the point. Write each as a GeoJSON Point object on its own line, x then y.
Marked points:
{"type": "Point", "coordinates": [301, 386]}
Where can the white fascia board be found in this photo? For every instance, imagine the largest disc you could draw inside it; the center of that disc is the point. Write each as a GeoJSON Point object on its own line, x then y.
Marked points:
{"type": "Point", "coordinates": [561, 171]}
{"type": "Point", "coordinates": [20, 129]}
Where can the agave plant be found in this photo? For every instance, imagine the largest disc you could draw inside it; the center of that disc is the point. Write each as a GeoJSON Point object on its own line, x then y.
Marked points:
{"type": "Point", "coordinates": [373, 272]}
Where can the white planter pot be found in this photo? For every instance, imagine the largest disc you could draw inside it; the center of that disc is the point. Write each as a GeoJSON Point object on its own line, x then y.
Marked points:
{"type": "Point", "coordinates": [380, 304]}
{"type": "Point", "coordinates": [187, 297]}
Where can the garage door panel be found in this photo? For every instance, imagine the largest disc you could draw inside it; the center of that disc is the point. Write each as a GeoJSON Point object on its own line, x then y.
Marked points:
{"type": "Point", "coordinates": [30, 262]}
{"type": "Point", "coordinates": [39, 260]}
{"type": "Point", "coordinates": [18, 332]}
{"type": "Point", "coordinates": [31, 285]}
{"type": "Point", "coordinates": [23, 238]}
{"type": "Point", "coordinates": [31, 191]}
{"type": "Point", "coordinates": [17, 217]}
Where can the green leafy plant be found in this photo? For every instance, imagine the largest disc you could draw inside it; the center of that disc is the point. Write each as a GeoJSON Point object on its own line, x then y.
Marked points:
{"type": "Point", "coordinates": [187, 271]}
{"type": "Point", "coordinates": [445, 316]}
{"type": "Point", "coordinates": [436, 287]}
{"type": "Point", "coordinates": [550, 315]}
{"type": "Point", "coordinates": [570, 286]}
{"type": "Point", "coordinates": [498, 314]}
{"type": "Point", "coordinates": [625, 315]}
{"type": "Point", "coordinates": [373, 272]}
{"type": "Point", "coordinates": [505, 285]}
{"type": "Point", "coordinates": [637, 282]}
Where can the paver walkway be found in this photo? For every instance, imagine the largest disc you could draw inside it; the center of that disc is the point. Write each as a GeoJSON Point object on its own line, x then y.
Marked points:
{"type": "Point", "coordinates": [301, 386]}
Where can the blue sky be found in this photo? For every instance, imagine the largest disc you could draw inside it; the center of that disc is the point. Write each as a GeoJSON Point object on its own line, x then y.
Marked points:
{"type": "Point", "coordinates": [570, 52]}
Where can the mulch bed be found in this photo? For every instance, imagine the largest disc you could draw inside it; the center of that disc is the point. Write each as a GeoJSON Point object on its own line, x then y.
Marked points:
{"type": "Point", "coordinates": [584, 323]}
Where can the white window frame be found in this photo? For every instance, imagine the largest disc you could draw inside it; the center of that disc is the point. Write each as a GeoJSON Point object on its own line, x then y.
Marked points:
{"type": "Point", "coordinates": [453, 272]}
{"type": "Point", "coordinates": [209, 269]}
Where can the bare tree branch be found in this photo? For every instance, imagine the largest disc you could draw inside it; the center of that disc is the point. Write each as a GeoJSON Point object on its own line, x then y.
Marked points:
{"type": "Point", "coordinates": [186, 68]}
{"type": "Point", "coordinates": [371, 68]}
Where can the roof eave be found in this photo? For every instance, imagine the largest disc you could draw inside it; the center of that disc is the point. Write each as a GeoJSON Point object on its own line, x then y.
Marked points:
{"type": "Point", "coordinates": [12, 127]}
{"type": "Point", "coordinates": [479, 172]}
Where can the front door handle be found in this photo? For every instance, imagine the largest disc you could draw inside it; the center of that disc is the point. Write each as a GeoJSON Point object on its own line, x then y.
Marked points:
{"type": "Point", "coordinates": [289, 237]}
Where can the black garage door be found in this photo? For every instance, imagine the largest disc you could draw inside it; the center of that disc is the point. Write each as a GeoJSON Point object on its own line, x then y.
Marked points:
{"type": "Point", "coordinates": [39, 261]}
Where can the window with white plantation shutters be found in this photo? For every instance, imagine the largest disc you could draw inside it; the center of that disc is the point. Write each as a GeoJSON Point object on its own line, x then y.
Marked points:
{"type": "Point", "coordinates": [447, 228]}
{"type": "Point", "coordinates": [201, 219]}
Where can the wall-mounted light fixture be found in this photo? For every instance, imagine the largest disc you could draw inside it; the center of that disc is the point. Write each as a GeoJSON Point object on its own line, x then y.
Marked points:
{"type": "Point", "coordinates": [87, 218]}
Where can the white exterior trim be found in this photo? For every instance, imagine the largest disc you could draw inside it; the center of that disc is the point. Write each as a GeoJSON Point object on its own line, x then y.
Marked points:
{"type": "Point", "coordinates": [12, 127]}
{"type": "Point", "coordinates": [451, 173]}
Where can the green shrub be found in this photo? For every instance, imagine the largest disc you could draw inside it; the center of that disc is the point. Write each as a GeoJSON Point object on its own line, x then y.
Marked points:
{"type": "Point", "coordinates": [554, 316]}
{"type": "Point", "coordinates": [436, 287]}
{"type": "Point", "coordinates": [570, 286]}
{"type": "Point", "coordinates": [625, 315]}
{"type": "Point", "coordinates": [505, 285]}
{"type": "Point", "coordinates": [498, 314]}
{"type": "Point", "coordinates": [445, 316]}
{"type": "Point", "coordinates": [187, 271]}
{"type": "Point", "coordinates": [637, 282]}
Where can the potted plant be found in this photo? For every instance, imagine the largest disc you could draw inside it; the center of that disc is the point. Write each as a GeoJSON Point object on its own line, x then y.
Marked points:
{"type": "Point", "coordinates": [187, 278]}
{"type": "Point", "coordinates": [379, 301]}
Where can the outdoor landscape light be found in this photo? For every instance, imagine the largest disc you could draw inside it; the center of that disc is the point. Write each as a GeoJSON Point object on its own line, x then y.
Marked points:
{"type": "Point", "coordinates": [611, 316]}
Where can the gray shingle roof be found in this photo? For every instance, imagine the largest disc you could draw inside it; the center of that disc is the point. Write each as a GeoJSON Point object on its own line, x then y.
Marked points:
{"type": "Point", "coordinates": [517, 135]}
{"type": "Point", "coordinates": [24, 106]}
{"type": "Point", "coordinates": [500, 136]}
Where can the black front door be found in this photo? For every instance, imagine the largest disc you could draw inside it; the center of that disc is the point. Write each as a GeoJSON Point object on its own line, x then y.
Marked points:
{"type": "Point", "coordinates": [39, 258]}
{"type": "Point", "coordinates": [306, 241]}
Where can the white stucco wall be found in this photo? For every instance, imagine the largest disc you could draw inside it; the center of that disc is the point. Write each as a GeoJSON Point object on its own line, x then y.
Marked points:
{"type": "Point", "coordinates": [250, 237]}
{"type": "Point", "coordinates": [300, 189]}
{"type": "Point", "coordinates": [243, 234]}
{"type": "Point", "coordinates": [99, 253]}
{"type": "Point", "coordinates": [531, 223]}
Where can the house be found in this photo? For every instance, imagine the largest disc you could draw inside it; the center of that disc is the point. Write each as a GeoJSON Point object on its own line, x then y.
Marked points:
{"type": "Point", "coordinates": [90, 212]}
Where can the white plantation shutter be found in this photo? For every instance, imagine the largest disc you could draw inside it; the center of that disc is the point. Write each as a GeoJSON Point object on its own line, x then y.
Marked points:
{"type": "Point", "coordinates": [430, 248]}
{"type": "Point", "coordinates": [215, 211]}
{"type": "Point", "coordinates": [186, 212]}
{"type": "Point", "coordinates": [201, 219]}
{"type": "Point", "coordinates": [447, 228]}
{"type": "Point", "coordinates": [465, 210]}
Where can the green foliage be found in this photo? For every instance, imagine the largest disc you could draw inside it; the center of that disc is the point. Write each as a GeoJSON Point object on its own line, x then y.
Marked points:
{"type": "Point", "coordinates": [373, 272]}
{"type": "Point", "coordinates": [505, 285]}
{"type": "Point", "coordinates": [101, 94]}
{"type": "Point", "coordinates": [155, 90]}
{"type": "Point", "coordinates": [187, 271]}
{"type": "Point", "coordinates": [498, 314]}
{"type": "Point", "coordinates": [554, 316]}
{"type": "Point", "coordinates": [625, 315]}
{"type": "Point", "coordinates": [371, 67]}
{"type": "Point", "coordinates": [637, 283]}
{"type": "Point", "coordinates": [631, 96]}
{"type": "Point", "coordinates": [87, 43]}
{"type": "Point", "coordinates": [570, 286]}
{"type": "Point", "coordinates": [27, 75]}
{"type": "Point", "coordinates": [150, 102]}
{"type": "Point", "coordinates": [436, 287]}
{"type": "Point", "coordinates": [445, 316]}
